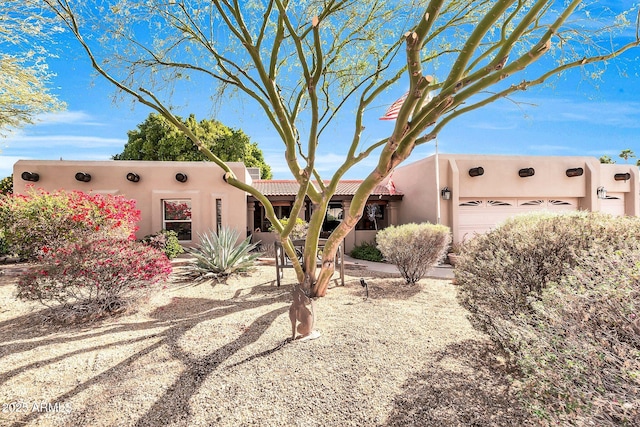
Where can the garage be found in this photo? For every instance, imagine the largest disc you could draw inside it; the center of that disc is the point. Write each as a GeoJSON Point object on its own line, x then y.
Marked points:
{"type": "Point", "coordinates": [613, 204]}
{"type": "Point", "coordinates": [477, 216]}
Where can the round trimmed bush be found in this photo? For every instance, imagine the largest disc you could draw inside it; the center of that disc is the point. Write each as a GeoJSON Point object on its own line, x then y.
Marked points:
{"type": "Point", "coordinates": [414, 248]}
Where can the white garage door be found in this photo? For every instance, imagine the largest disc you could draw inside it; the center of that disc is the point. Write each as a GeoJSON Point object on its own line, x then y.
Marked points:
{"type": "Point", "coordinates": [481, 215]}
{"type": "Point", "coordinates": [613, 204]}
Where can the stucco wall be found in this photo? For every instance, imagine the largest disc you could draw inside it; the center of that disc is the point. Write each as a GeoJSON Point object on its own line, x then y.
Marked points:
{"type": "Point", "coordinates": [417, 181]}
{"type": "Point", "coordinates": [157, 182]}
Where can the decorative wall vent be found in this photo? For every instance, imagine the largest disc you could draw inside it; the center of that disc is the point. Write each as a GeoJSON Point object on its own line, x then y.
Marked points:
{"type": "Point", "coordinates": [498, 203]}
{"type": "Point", "coordinates": [532, 203]}
{"type": "Point", "coordinates": [559, 203]}
{"type": "Point", "coordinates": [83, 177]}
{"type": "Point", "coordinates": [472, 203]}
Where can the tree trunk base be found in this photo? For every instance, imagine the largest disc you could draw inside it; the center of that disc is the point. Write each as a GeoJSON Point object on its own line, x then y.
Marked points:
{"type": "Point", "coordinates": [311, 336]}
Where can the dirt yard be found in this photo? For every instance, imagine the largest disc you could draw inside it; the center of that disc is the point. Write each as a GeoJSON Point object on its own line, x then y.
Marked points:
{"type": "Point", "coordinates": [218, 355]}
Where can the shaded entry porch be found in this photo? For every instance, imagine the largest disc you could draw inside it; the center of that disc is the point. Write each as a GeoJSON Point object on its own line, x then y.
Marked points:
{"type": "Point", "coordinates": [381, 211]}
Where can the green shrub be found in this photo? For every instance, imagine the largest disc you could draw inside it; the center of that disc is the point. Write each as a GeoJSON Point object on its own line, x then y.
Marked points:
{"type": "Point", "coordinates": [367, 251]}
{"type": "Point", "coordinates": [414, 248]}
{"type": "Point", "coordinates": [93, 277]}
{"type": "Point", "coordinates": [220, 254]}
{"type": "Point", "coordinates": [4, 247]}
{"type": "Point", "coordinates": [165, 241]}
{"type": "Point", "coordinates": [299, 231]}
{"type": "Point", "coordinates": [6, 185]}
{"type": "Point", "coordinates": [40, 220]}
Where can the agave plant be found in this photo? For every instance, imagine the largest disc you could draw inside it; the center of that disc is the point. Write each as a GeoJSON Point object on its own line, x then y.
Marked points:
{"type": "Point", "coordinates": [220, 255]}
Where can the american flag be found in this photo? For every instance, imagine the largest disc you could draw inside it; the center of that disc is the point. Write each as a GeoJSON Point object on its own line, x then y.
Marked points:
{"type": "Point", "coordinates": [392, 112]}
{"type": "Point", "coordinates": [390, 185]}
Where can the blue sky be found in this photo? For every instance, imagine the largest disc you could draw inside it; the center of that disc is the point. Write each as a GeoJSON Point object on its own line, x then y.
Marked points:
{"type": "Point", "coordinates": [573, 117]}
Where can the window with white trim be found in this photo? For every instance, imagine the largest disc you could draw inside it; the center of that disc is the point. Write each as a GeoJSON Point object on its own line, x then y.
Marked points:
{"type": "Point", "coordinates": [176, 216]}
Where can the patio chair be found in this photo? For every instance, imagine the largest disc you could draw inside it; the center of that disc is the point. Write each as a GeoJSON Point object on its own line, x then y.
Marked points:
{"type": "Point", "coordinates": [283, 261]}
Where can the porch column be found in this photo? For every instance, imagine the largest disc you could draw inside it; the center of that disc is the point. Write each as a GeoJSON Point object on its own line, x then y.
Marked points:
{"type": "Point", "coordinates": [392, 211]}
{"type": "Point", "coordinates": [350, 239]}
{"type": "Point", "coordinates": [251, 208]}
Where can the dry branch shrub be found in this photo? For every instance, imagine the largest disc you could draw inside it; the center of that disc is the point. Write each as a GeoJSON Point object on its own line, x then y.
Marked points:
{"type": "Point", "coordinates": [559, 294]}
{"type": "Point", "coordinates": [579, 349]}
{"type": "Point", "coordinates": [502, 272]}
{"type": "Point", "coordinates": [414, 248]}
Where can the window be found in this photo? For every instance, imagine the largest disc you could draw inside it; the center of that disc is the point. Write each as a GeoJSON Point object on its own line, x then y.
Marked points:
{"type": "Point", "coordinates": [282, 209]}
{"type": "Point", "coordinates": [218, 214]}
{"type": "Point", "coordinates": [176, 216]}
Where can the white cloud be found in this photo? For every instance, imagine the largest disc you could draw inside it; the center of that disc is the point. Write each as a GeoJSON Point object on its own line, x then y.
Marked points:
{"type": "Point", "coordinates": [67, 117]}
{"type": "Point", "coordinates": [619, 114]}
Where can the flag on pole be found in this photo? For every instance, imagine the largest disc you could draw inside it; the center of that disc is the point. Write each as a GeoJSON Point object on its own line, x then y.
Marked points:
{"type": "Point", "coordinates": [390, 185]}
{"type": "Point", "coordinates": [392, 112]}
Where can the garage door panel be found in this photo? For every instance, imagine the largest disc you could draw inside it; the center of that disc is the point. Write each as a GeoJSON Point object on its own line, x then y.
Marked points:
{"type": "Point", "coordinates": [613, 204]}
{"type": "Point", "coordinates": [481, 215]}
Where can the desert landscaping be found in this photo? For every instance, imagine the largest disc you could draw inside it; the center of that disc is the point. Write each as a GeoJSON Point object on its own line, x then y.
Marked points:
{"type": "Point", "coordinates": [220, 355]}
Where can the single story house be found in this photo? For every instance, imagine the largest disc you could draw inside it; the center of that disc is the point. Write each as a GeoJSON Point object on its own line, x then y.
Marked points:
{"type": "Point", "coordinates": [468, 193]}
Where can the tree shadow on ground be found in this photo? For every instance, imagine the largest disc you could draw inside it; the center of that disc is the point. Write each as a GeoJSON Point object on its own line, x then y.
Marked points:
{"type": "Point", "coordinates": [173, 405]}
{"type": "Point", "coordinates": [385, 288]}
{"type": "Point", "coordinates": [473, 391]}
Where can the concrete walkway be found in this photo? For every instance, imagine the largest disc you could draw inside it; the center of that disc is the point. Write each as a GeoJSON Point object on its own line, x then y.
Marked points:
{"type": "Point", "coordinates": [442, 271]}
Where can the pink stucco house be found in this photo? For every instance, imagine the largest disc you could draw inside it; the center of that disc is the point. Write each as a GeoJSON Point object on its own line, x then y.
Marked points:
{"type": "Point", "coordinates": [468, 193]}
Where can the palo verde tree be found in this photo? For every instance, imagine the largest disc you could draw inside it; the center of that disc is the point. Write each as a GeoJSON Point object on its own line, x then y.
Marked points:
{"type": "Point", "coordinates": [305, 62]}
{"type": "Point", "coordinates": [23, 65]}
{"type": "Point", "coordinates": [157, 139]}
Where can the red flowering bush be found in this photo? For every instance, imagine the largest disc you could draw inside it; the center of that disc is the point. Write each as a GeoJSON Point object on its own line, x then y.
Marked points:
{"type": "Point", "coordinates": [41, 221]}
{"type": "Point", "coordinates": [99, 275]}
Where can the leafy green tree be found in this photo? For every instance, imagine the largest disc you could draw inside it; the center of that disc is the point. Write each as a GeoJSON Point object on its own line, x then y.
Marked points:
{"type": "Point", "coordinates": [306, 62]}
{"type": "Point", "coordinates": [158, 139]}
{"type": "Point", "coordinates": [607, 160]}
{"type": "Point", "coordinates": [23, 67]}
{"type": "Point", "coordinates": [6, 185]}
{"type": "Point", "coordinates": [626, 154]}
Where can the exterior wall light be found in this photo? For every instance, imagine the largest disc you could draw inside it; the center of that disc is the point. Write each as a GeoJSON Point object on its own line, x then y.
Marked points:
{"type": "Point", "coordinates": [181, 177]}
{"type": "Point", "coordinates": [526, 172]}
{"type": "Point", "coordinates": [601, 192]}
{"type": "Point", "coordinates": [479, 171]}
{"type": "Point", "coordinates": [30, 176]}
{"type": "Point", "coordinates": [622, 176]}
{"type": "Point", "coordinates": [575, 172]}
{"type": "Point", "coordinates": [83, 177]}
{"type": "Point", "coordinates": [133, 177]}
{"type": "Point", "coordinates": [446, 193]}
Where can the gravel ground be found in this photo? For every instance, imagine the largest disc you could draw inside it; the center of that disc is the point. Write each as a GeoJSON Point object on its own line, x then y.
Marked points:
{"type": "Point", "coordinates": [218, 355]}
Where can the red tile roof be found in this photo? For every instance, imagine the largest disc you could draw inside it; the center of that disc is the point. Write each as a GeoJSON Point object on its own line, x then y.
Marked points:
{"type": "Point", "coordinates": [289, 187]}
